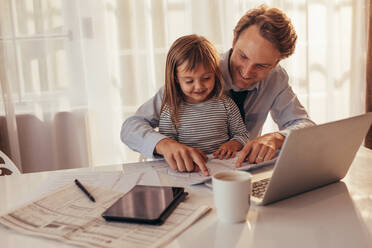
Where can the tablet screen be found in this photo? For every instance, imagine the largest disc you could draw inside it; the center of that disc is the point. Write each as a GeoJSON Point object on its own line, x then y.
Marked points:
{"type": "Point", "coordinates": [143, 203]}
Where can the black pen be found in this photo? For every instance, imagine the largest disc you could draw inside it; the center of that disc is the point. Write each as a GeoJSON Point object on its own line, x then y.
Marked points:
{"type": "Point", "coordinates": [84, 190]}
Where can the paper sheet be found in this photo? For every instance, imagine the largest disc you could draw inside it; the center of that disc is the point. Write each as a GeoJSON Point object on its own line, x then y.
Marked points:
{"type": "Point", "coordinates": [195, 178]}
{"type": "Point", "coordinates": [149, 177]}
{"type": "Point", "coordinates": [106, 179]}
{"type": "Point", "coordinates": [67, 214]}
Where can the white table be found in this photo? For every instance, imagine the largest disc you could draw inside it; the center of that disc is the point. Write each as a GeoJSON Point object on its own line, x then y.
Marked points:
{"type": "Point", "coordinates": [338, 215]}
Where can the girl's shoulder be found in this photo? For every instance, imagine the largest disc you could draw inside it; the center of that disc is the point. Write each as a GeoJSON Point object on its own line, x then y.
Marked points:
{"type": "Point", "coordinates": [228, 103]}
{"type": "Point", "coordinates": [165, 110]}
{"type": "Point", "coordinates": [225, 102]}
{"type": "Point", "coordinates": [226, 99]}
{"type": "Point", "coordinates": [223, 99]}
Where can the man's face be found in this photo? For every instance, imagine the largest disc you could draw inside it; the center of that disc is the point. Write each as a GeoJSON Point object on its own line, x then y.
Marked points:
{"type": "Point", "coordinates": [252, 58]}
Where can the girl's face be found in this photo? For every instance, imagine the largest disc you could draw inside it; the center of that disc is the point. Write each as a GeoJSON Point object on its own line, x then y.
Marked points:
{"type": "Point", "coordinates": [197, 84]}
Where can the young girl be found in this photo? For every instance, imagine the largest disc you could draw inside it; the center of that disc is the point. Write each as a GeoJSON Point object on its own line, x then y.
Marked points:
{"type": "Point", "coordinates": [194, 110]}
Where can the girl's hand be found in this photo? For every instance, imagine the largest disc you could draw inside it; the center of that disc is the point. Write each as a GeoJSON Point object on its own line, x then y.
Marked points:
{"type": "Point", "coordinates": [182, 157]}
{"type": "Point", "coordinates": [228, 149]}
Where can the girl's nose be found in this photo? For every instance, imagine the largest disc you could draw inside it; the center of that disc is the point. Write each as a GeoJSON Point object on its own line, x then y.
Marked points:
{"type": "Point", "coordinates": [198, 85]}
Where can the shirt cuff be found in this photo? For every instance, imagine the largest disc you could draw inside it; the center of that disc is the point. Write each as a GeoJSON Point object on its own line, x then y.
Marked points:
{"type": "Point", "coordinates": [284, 132]}
{"type": "Point", "coordinates": [149, 146]}
{"type": "Point", "coordinates": [242, 140]}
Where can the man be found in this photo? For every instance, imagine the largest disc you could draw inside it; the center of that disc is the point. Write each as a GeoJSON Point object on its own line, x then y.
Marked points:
{"type": "Point", "coordinates": [255, 81]}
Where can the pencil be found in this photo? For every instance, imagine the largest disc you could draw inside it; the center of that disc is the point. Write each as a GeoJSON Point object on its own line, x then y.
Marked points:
{"type": "Point", "coordinates": [84, 190]}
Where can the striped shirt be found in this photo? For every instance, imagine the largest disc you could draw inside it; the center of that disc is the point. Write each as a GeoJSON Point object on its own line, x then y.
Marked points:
{"type": "Point", "coordinates": [205, 125]}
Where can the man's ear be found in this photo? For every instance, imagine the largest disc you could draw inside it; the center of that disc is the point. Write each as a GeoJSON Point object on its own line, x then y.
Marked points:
{"type": "Point", "coordinates": [277, 62]}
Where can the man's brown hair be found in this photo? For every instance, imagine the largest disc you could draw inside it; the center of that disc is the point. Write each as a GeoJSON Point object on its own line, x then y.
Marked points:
{"type": "Point", "coordinates": [273, 25]}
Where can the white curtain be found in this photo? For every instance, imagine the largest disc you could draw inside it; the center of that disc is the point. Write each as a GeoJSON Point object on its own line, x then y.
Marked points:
{"type": "Point", "coordinates": [71, 71]}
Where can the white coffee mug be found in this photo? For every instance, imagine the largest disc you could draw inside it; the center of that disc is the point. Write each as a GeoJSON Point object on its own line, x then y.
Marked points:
{"type": "Point", "coordinates": [231, 193]}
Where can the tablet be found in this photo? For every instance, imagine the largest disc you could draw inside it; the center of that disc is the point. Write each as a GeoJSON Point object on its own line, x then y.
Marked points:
{"type": "Point", "coordinates": [145, 204]}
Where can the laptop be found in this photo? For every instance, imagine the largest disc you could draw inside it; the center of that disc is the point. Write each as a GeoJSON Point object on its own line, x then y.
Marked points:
{"type": "Point", "coordinates": [313, 157]}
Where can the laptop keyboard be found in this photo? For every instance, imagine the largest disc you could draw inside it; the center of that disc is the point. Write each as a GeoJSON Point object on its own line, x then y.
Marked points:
{"type": "Point", "coordinates": [259, 187]}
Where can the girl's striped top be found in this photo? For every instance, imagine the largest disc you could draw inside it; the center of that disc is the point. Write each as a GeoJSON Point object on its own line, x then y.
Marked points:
{"type": "Point", "coordinates": [206, 125]}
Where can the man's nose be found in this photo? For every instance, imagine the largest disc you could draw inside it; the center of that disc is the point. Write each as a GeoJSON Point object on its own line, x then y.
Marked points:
{"type": "Point", "coordinates": [247, 69]}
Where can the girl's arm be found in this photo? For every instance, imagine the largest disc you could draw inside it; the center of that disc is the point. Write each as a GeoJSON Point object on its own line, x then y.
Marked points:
{"type": "Point", "coordinates": [238, 133]}
{"type": "Point", "coordinates": [180, 157]}
{"type": "Point", "coordinates": [166, 127]}
{"type": "Point", "coordinates": [237, 129]}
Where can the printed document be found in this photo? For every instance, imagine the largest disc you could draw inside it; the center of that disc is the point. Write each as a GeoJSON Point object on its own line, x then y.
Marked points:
{"type": "Point", "coordinates": [194, 178]}
{"type": "Point", "coordinates": [67, 214]}
{"type": "Point", "coordinates": [114, 180]}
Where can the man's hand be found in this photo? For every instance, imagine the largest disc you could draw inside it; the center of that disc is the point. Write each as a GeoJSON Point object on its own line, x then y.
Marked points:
{"type": "Point", "coordinates": [182, 157]}
{"type": "Point", "coordinates": [261, 148]}
{"type": "Point", "coordinates": [228, 149]}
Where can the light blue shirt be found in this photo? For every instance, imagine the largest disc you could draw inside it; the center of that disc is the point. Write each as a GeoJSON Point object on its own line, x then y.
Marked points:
{"type": "Point", "coordinates": [271, 95]}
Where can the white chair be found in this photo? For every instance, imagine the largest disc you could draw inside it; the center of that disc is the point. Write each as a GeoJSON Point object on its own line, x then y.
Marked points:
{"type": "Point", "coordinates": [8, 167]}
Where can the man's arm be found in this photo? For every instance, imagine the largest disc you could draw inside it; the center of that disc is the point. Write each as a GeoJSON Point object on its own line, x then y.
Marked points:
{"type": "Point", "coordinates": [138, 133]}
{"type": "Point", "coordinates": [287, 112]}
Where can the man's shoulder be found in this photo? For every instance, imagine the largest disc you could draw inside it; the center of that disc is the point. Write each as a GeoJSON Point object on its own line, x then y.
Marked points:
{"type": "Point", "coordinates": [279, 74]}
{"type": "Point", "coordinates": [161, 90]}
{"type": "Point", "coordinates": [158, 97]}
{"type": "Point", "coordinates": [277, 79]}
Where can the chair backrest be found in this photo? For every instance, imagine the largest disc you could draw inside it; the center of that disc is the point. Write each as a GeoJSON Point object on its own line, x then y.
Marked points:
{"type": "Point", "coordinates": [8, 167]}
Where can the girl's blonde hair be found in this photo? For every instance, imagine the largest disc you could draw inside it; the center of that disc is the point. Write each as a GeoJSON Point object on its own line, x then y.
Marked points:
{"type": "Point", "coordinates": [194, 50]}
